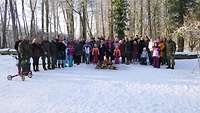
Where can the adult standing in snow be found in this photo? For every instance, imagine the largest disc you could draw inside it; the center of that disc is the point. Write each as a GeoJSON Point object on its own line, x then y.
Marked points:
{"type": "Point", "coordinates": [36, 53]}
{"type": "Point", "coordinates": [128, 51]}
{"type": "Point", "coordinates": [77, 52]}
{"type": "Point", "coordinates": [87, 49]}
{"type": "Point", "coordinates": [171, 49]}
{"type": "Point", "coordinates": [122, 50]}
{"type": "Point", "coordinates": [24, 49]}
{"type": "Point", "coordinates": [162, 51]}
{"type": "Point", "coordinates": [17, 49]}
{"type": "Point", "coordinates": [54, 54]}
{"type": "Point", "coordinates": [135, 51]}
{"type": "Point", "coordinates": [45, 45]}
{"type": "Point", "coordinates": [102, 51]}
{"type": "Point", "coordinates": [61, 52]}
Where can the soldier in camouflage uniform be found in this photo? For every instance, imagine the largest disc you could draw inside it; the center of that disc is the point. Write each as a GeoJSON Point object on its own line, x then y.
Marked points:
{"type": "Point", "coordinates": [24, 51]}
{"type": "Point", "coordinates": [171, 49]}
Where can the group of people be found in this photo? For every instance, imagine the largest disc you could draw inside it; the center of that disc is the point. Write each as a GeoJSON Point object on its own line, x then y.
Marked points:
{"type": "Point", "coordinates": [60, 53]}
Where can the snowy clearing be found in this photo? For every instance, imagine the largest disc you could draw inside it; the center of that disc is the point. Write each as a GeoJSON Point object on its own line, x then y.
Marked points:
{"type": "Point", "coordinates": [82, 89]}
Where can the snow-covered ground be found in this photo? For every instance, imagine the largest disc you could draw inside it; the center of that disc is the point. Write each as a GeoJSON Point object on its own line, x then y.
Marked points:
{"type": "Point", "coordinates": [82, 89]}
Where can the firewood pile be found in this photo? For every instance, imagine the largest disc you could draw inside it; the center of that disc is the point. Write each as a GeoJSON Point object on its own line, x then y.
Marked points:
{"type": "Point", "coordinates": [109, 66]}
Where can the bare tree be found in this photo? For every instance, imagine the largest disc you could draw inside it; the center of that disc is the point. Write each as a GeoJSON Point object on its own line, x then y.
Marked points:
{"type": "Point", "coordinates": [33, 4]}
{"type": "Point", "coordinates": [4, 24]}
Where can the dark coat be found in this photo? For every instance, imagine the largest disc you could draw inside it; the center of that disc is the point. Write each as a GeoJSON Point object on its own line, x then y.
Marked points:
{"type": "Point", "coordinates": [36, 50]}
{"type": "Point", "coordinates": [102, 50]}
{"type": "Point", "coordinates": [141, 46]}
{"type": "Point", "coordinates": [45, 48]}
{"type": "Point", "coordinates": [128, 47]}
{"type": "Point", "coordinates": [53, 49]}
{"type": "Point", "coordinates": [17, 44]}
{"type": "Point", "coordinates": [24, 49]}
{"type": "Point", "coordinates": [135, 50]}
{"type": "Point", "coordinates": [78, 49]}
{"type": "Point", "coordinates": [61, 51]}
{"type": "Point", "coordinates": [122, 49]}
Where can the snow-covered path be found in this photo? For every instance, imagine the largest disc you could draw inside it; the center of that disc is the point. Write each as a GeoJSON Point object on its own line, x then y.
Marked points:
{"type": "Point", "coordinates": [82, 89]}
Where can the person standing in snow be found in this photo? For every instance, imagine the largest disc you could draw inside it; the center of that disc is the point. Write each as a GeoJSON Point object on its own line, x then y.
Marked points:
{"type": "Point", "coordinates": [19, 58]}
{"type": "Point", "coordinates": [95, 54]}
{"type": "Point", "coordinates": [24, 49]}
{"type": "Point", "coordinates": [61, 52]}
{"type": "Point", "coordinates": [54, 54]}
{"type": "Point", "coordinates": [36, 53]}
{"type": "Point", "coordinates": [156, 55]}
{"type": "Point", "coordinates": [128, 51]}
{"type": "Point", "coordinates": [135, 51]}
{"type": "Point", "coordinates": [102, 51]}
{"type": "Point", "coordinates": [122, 50]}
{"type": "Point", "coordinates": [162, 51]}
{"type": "Point", "coordinates": [171, 49]}
{"type": "Point", "coordinates": [77, 52]}
{"type": "Point", "coordinates": [117, 55]}
{"type": "Point", "coordinates": [70, 55]}
{"type": "Point", "coordinates": [45, 45]}
{"type": "Point", "coordinates": [87, 50]}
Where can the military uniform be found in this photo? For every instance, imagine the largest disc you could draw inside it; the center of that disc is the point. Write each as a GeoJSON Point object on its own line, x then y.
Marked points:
{"type": "Point", "coordinates": [171, 49]}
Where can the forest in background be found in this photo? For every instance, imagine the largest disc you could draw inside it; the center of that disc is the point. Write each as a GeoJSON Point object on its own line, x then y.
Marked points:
{"type": "Point", "coordinates": [85, 19]}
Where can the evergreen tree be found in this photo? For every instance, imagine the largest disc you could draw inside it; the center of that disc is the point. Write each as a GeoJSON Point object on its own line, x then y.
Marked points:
{"type": "Point", "coordinates": [120, 15]}
{"type": "Point", "coordinates": [177, 9]}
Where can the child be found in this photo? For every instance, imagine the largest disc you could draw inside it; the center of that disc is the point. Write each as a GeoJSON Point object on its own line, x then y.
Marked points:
{"type": "Point", "coordinates": [117, 54]}
{"type": "Point", "coordinates": [95, 54]}
{"type": "Point", "coordinates": [156, 55]}
{"type": "Point", "coordinates": [144, 57]}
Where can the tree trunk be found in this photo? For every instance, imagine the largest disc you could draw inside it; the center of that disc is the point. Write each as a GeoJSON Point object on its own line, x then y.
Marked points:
{"type": "Point", "coordinates": [111, 24]}
{"type": "Point", "coordinates": [47, 16]}
{"type": "Point", "coordinates": [141, 17]}
{"type": "Point", "coordinates": [84, 19]}
{"type": "Point", "coordinates": [17, 17]}
{"type": "Point", "coordinates": [42, 16]}
{"type": "Point", "coordinates": [71, 22]}
{"type": "Point", "coordinates": [102, 19]}
{"type": "Point", "coordinates": [4, 25]}
{"type": "Point", "coordinates": [13, 16]}
{"type": "Point", "coordinates": [180, 42]}
{"type": "Point", "coordinates": [24, 20]}
{"type": "Point", "coordinates": [149, 18]}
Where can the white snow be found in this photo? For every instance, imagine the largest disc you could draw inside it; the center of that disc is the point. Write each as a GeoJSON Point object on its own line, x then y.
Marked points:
{"type": "Point", "coordinates": [187, 53]}
{"type": "Point", "coordinates": [82, 89]}
{"type": "Point", "coordinates": [7, 49]}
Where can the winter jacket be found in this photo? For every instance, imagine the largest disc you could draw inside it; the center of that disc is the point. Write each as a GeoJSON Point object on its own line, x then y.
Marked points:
{"type": "Point", "coordinates": [144, 54]}
{"type": "Point", "coordinates": [53, 49]}
{"type": "Point", "coordinates": [78, 49]}
{"type": "Point", "coordinates": [61, 51]}
{"type": "Point", "coordinates": [87, 48]}
{"type": "Point", "coordinates": [117, 53]}
{"type": "Point", "coordinates": [162, 49]}
{"type": "Point", "coordinates": [122, 49]}
{"type": "Point", "coordinates": [135, 50]}
{"type": "Point", "coordinates": [36, 50]}
{"type": "Point", "coordinates": [45, 45]}
{"type": "Point", "coordinates": [171, 48]}
{"type": "Point", "coordinates": [95, 51]}
{"type": "Point", "coordinates": [156, 52]}
{"type": "Point", "coordinates": [24, 49]}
